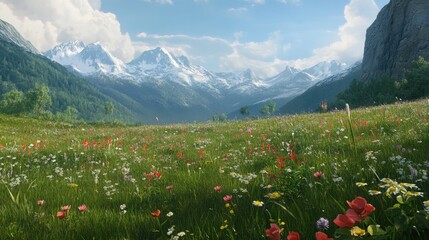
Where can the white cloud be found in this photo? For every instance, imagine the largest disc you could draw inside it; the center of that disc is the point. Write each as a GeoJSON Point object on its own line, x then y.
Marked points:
{"type": "Point", "coordinates": [51, 22]}
{"type": "Point", "coordinates": [161, 1]}
{"type": "Point", "coordinates": [359, 14]}
{"type": "Point", "coordinates": [256, 1]}
{"type": "Point", "coordinates": [237, 11]}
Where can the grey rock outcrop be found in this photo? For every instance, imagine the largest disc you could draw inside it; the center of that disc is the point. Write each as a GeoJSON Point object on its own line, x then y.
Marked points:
{"type": "Point", "coordinates": [398, 36]}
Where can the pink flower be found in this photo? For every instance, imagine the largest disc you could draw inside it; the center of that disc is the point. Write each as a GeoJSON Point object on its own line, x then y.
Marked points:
{"type": "Point", "coordinates": [169, 187]}
{"type": "Point", "coordinates": [273, 232]}
{"type": "Point", "coordinates": [227, 198]}
{"type": "Point", "coordinates": [41, 202]}
{"type": "Point", "coordinates": [61, 215]}
{"type": "Point", "coordinates": [66, 208]}
{"type": "Point", "coordinates": [218, 188]}
{"type": "Point", "coordinates": [82, 208]}
{"type": "Point", "coordinates": [293, 236]}
{"type": "Point", "coordinates": [318, 174]}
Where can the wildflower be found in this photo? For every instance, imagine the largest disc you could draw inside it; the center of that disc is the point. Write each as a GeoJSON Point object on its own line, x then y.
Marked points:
{"type": "Point", "coordinates": [274, 195]}
{"type": "Point", "coordinates": [258, 203]}
{"type": "Point", "coordinates": [224, 225]}
{"type": "Point", "coordinates": [61, 215]}
{"type": "Point", "coordinates": [181, 234]}
{"type": "Point", "coordinates": [293, 236]}
{"type": "Point", "coordinates": [122, 206]}
{"type": "Point", "coordinates": [414, 194]}
{"type": "Point", "coordinates": [66, 208]}
{"type": "Point", "coordinates": [217, 188]}
{"type": "Point", "coordinates": [361, 207]}
{"type": "Point", "coordinates": [169, 187]}
{"type": "Point", "coordinates": [374, 192]}
{"type": "Point", "coordinates": [156, 213]}
{"type": "Point", "coordinates": [72, 185]}
{"type": "Point", "coordinates": [361, 184]}
{"type": "Point", "coordinates": [41, 202]}
{"type": "Point", "coordinates": [273, 232]}
{"type": "Point", "coordinates": [322, 224]}
{"type": "Point", "coordinates": [357, 231]}
{"type": "Point", "coordinates": [82, 208]}
{"type": "Point", "coordinates": [170, 230]}
{"type": "Point", "coordinates": [322, 236]}
{"type": "Point", "coordinates": [169, 214]}
{"type": "Point", "coordinates": [227, 198]}
{"type": "Point", "coordinates": [426, 203]}
{"type": "Point", "coordinates": [344, 221]}
{"type": "Point", "coordinates": [231, 211]}
{"type": "Point", "coordinates": [318, 174]}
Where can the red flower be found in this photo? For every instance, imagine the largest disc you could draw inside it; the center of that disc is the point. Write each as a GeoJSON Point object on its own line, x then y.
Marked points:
{"type": "Point", "coordinates": [293, 236]}
{"type": "Point", "coordinates": [273, 232]}
{"type": "Point", "coordinates": [357, 204]}
{"type": "Point", "coordinates": [66, 208]}
{"type": "Point", "coordinates": [353, 215]}
{"type": "Point", "coordinates": [82, 208]}
{"type": "Point", "coordinates": [322, 236]}
{"type": "Point", "coordinates": [61, 215]}
{"type": "Point", "coordinates": [217, 188]}
{"type": "Point", "coordinates": [318, 174]}
{"type": "Point", "coordinates": [169, 187]}
{"type": "Point", "coordinates": [227, 198]}
{"type": "Point", "coordinates": [344, 221]}
{"type": "Point", "coordinates": [156, 213]}
{"type": "Point", "coordinates": [361, 207]}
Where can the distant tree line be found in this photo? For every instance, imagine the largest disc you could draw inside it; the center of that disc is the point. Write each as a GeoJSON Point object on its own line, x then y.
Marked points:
{"type": "Point", "coordinates": [386, 90]}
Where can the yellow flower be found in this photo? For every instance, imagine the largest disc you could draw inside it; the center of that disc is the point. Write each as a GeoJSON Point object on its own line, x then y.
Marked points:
{"type": "Point", "coordinates": [426, 203]}
{"type": "Point", "coordinates": [414, 194]}
{"type": "Point", "coordinates": [231, 211]}
{"type": "Point", "coordinates": [258, 203]}
{"type": "Point", "coordinates": [227, 205]}
{"type": "Point", "coordinates": [374, 192]}
{"type": "Point", "coordinates": [357, 231]}
{"type": "Point", "coordinates": [274, 195]}
{"type": "Point", "coordinates": [408, 185]}
{"type": "Point", "coordinates": [361, 184]}
{"type": "Point", "coordinates": [72, 185]}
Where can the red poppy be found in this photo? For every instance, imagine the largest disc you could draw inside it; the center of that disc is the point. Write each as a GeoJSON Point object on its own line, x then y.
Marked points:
{"type": "Point", "coordinates": [61, 215]}
{"type": "Point", "coordinates": [357, 204]}
{"type": "Point", "coordinates": [82, 208]}
{"type": "Point", "coordinates": [273, 232]}
{"type": "Point", "coordinates": [293, 236]}
{"type": "Point", "coordinates": [344, 221]}
{"type": "Point", "coordinates": [66, 208]}
{"type": "Point", "coordinates": [156, 213]}
{"type": "Point", "coordinates": [353, 215]}
{"type": "Point", "coordinates": [322, 236]}
{"type": "Point", "coordinates": [217, 188]}
{"type": "Point", "coordinates": [318, 174]}
{"type": "Point", "coordinates": [227, 198]}
{"type": "Point", "coordinates": [367, 210]}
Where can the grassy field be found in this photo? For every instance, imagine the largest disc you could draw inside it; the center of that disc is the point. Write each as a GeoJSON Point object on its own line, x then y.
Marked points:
{"type": "Point", "coordinates": [235, 180]}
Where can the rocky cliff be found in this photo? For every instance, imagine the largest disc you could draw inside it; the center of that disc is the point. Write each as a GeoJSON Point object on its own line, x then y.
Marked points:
{"type": "Point", "coordinates": [398, 36]}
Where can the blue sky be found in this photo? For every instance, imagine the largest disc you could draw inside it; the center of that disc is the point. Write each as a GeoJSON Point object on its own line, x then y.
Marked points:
{"type": "Point", "coordinates": [221, 35]}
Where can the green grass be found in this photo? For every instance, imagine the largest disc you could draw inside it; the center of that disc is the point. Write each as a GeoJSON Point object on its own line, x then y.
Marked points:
{"type": "Point", "coordinates": [250, 160]}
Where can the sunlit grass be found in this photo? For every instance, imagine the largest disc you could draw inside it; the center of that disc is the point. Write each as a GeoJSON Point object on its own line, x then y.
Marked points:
{"type": "Point", "coordinates": [125, 173]}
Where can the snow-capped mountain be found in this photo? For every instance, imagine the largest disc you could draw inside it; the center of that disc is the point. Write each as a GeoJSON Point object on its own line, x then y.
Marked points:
{"type": "Point", "coordinates": [325, 69]}
{"type": "Point", "coordinates": [88, 60]}
{"type": "Point", "coordinates": [8, 33]}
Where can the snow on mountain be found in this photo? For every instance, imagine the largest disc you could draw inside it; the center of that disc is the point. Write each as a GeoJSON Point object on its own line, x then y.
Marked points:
{"type": "Point", "coordinates": [8, 33]}
{"type": "Point", "coordinates": [340, 75]}
{"type": "Point", "coordinates": [325, 69]}
{"type": "Point", "coordinates": [88, 60]}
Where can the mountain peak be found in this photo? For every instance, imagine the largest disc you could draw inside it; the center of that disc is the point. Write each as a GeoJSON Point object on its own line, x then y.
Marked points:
{"type": "Point", "coordinates": [157, 56]}
{"type": "Point", "coordinates": [9, 33]}
{"type": "Point", "coordinates": [65, 50]}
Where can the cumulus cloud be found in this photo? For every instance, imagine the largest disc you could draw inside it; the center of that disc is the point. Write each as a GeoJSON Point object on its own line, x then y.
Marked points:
{"type": "Point", "coordinates": [359, 14]}
{"type": "Point", "coordinates": [46, 23]}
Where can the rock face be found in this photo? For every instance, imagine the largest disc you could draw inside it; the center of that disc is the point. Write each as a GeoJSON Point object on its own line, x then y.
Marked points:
{"type": "Point", "coordinates": [398, 36]}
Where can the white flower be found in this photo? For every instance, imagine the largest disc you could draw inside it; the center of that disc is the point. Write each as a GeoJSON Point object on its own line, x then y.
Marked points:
{"type": "Point", "coordinates": [169, 214]}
